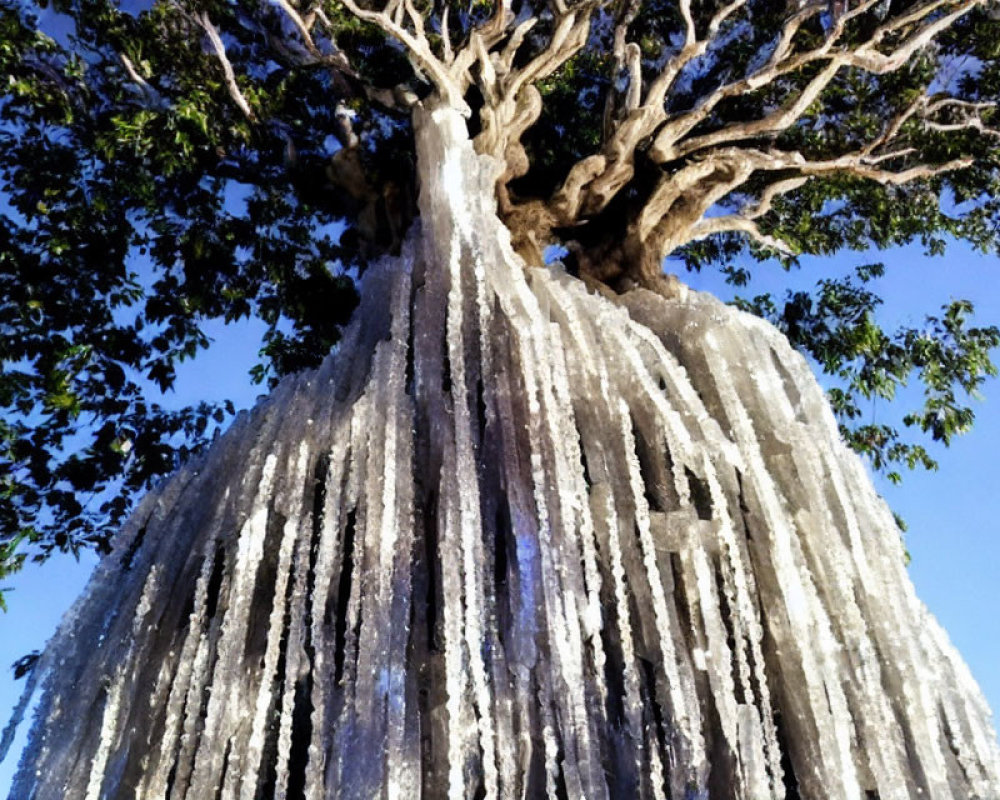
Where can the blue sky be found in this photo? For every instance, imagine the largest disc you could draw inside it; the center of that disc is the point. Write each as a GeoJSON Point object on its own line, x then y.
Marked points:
{"type": "Point", "coordinates": [954, 533]}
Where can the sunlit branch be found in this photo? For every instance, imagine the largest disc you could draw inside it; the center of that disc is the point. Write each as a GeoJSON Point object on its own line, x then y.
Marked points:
{"type": "Point", "coordinates": [675, 213]}
{"type": "Point", "coordinates": [974, 124]}
{"type": "Point", "coordinates": [591, 184]}
{"type": "Point", "coordinates": [734, 223]}
{"type": "Point", "coordinates": [134, 76]}
{"type": "Point", "coordinates": [745, 220]}
{"type": "Point", "coordinates": [969, 111]}
{"type": "Point", "coordinates": [775, 122]}
{"type": "Point", "coordinates": [620, 55]}
{"type": "Point", "coordinates": [569, 36]}
{"type": "Point", "coordinates": [227, 68]}
{"type": "Point", "coordinates": [700, 184]}
{"type": "Point", "coordinates": [666, 145]}
{"type": "Point", "coordinates": [642, 121]}
{"type": "Point", "coordinates": [510, 50]}
{"type": "Point", "coordinates": [449, 54]}
{"type": "Point", "coordinates": [770, 193]}
{"type": "Point", "coordinates": [390, 20]}
{"type": "Point", "coordinates": [693, 48]}
{"type": "Point", "coordinates": [497, 23]}
{"type": "Point", "coordinates": [895, 124]}
{"type": "Point", "coordinates": [870, 59]}
{"type": "Point", "coordinates": [513, 102]}
{"type": "Point", "coordinates": [690, 36]}
{"type": "Point", "coordinates": [859, 164]}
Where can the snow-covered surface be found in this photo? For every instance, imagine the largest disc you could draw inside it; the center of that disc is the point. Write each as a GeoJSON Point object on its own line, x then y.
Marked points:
{"type": "Point", "coordinates": [515, 540]}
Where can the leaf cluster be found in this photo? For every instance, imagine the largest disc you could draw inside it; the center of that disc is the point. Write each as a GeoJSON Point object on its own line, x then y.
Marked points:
{"type": "Point", "coordinates": [836, 326]}
{"type": "Point", "coordinates": [132, 213]}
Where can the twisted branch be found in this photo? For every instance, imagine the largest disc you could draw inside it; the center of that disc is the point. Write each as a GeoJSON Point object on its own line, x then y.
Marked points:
{"type": "Point", "coordinates": [860, 164]}
{"type": "Point", "coordinates": [587, 189]}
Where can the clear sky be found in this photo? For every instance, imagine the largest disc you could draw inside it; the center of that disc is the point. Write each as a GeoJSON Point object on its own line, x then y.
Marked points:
{"type": "Point", "coordinates": [954, 536]}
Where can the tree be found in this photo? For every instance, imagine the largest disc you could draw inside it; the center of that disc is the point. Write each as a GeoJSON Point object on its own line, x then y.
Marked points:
{"type": "Point", "coordinates": [694, 130]}
{"type": "Point", "coordinates": [157, 175]}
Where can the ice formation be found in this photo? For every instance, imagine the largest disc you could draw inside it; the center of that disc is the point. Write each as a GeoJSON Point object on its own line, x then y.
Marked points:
{"type": "Point", "coordinates": [514, 540]}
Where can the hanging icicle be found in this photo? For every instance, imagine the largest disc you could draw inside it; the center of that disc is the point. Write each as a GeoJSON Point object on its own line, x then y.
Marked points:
{"type": "Point", "coordinates": [514, 540]}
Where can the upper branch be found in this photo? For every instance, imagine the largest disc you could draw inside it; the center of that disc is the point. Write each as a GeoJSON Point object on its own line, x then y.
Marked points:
{"type": "Point", "coordinates": [401, 20]}
{"type": "Point", "coordinates": [664, 136]}
{"type": "Point", "coordinates": [229, 74]}
{"type": "Point", "coordinates": [799, 170]}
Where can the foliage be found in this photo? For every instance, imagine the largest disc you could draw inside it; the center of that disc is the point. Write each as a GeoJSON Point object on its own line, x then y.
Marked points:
{"type": "Point", "coordinates": [837, 327]}
{"type": "Point", "coordinates": [116, 244]}
{"type": "Point", "coordinates": [140, 200]}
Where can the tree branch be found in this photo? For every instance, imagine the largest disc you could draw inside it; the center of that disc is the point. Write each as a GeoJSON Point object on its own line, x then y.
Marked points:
{"type": "Point", "coordinates": [304, 29]}
{"type": "Point", "coordinates": [864, 57]}
{"type": "Point", "coordinates": [219, 48]}
{"type": "Point", "coordinates": [773, 123]}
{"type": "Point", "coordinates": [665, 80]}
{"type": "Point", "coordinates": [569, 37]}
{"type": "Point", "coordinates": [859, 164]}
{"type": "Point", "coordinates": [586, 191]}
{"type": "Point", "coordinates": [134, 76]}
{"type": "Point", "coordinates": [735, 223]}
{"type": "Point", "coordinates": [513, 103]}
{"type": "Point", "coordinates": [662, 222]}
{"type": "Point", "coordinates": [620, 55]}
{"type": "Point", "coordinates": [970, 111]}
{"type": "Point", "coordinates": [690, 36]}
{"type": "Point", "coordinates": [575, 197]}
{"type": "Point", "coordinates": [869, 58]}
{"type": "Point", "coordinates": [770, 193]}
{"type": "Point", "coordinates": [391, 21]}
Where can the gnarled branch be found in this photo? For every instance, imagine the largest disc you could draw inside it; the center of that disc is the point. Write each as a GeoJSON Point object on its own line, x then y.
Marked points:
{"type": "Point", "coordinates": [658, 225]}
{"type": "Point", "coordinates": [586, 191]}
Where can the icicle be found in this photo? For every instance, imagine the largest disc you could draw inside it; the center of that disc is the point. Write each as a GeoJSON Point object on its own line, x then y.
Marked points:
{"type": "Point", "coordinates": [192, 656]}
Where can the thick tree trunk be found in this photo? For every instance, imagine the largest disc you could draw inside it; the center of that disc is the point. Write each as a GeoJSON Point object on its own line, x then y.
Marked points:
{"type": "Point", "coordinates": [514, 540]}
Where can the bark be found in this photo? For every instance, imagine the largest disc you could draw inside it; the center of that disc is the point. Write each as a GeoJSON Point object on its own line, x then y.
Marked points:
{"type": "Point", "coordinates": [514, 540]}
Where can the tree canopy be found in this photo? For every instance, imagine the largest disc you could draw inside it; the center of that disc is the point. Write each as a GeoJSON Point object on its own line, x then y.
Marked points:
{"type": "Point", "coordinates": [162, 164]}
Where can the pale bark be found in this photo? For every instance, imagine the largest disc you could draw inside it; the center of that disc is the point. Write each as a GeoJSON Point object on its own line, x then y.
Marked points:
{"type": "Point", "coordinates": [639, 124]}
{"type": "Point", "coordinates": [671, 140]}
{"type": "Point", "coordinates": [229, 75]}
{"type": "Point", "coordinates": [514, 540]}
